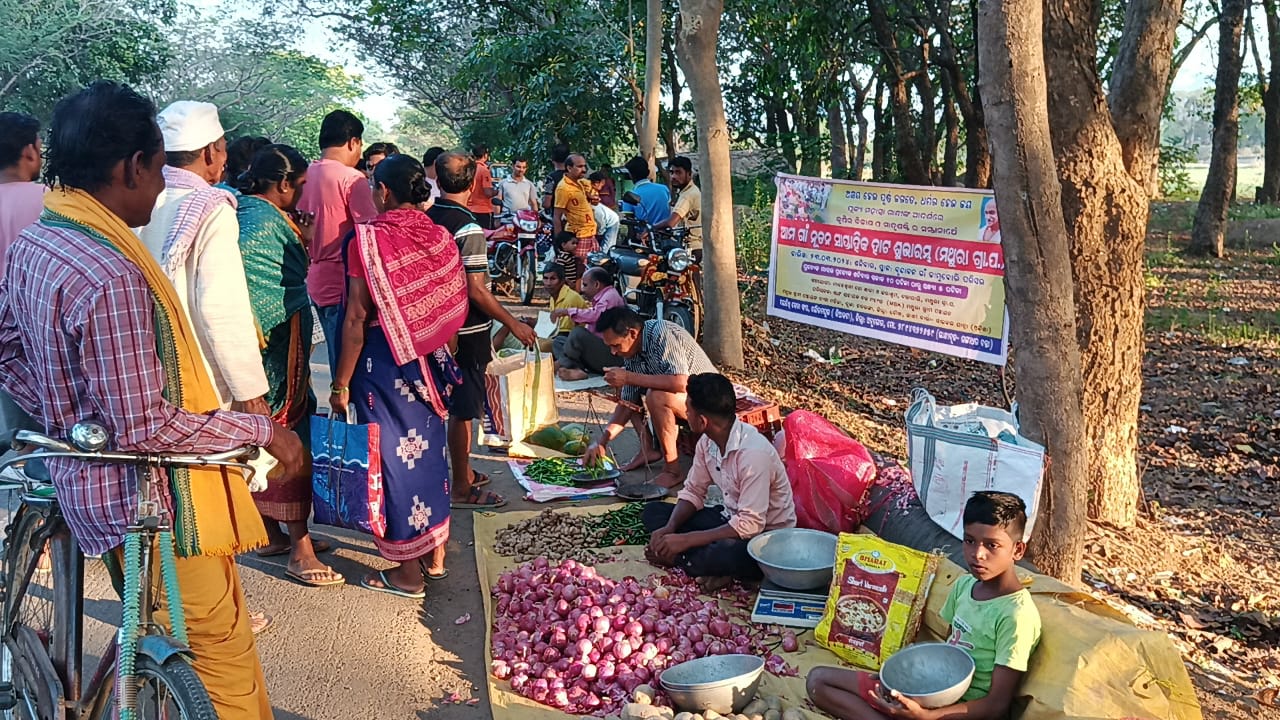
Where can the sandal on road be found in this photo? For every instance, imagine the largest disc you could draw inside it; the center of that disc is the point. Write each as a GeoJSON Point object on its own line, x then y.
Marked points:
{"type": "Point", "coordinates": [317, 577]}
{"type": "Point", "coordinates": [479, 479]}
{"type": "Point", "coordinates": [318, 545]}
{"type": "Point", "coordinates": [479, 499]}
{"type": "Point", "coordinates": [386, 586]}
{"type": "Point", "coordinates": [259, 622]}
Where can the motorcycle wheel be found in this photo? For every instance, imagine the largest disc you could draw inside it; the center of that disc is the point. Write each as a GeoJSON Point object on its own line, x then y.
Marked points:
{"type": "Point", "coordinates": [681, 316]}
{"type": "Point", "coordinates": [529, 278]}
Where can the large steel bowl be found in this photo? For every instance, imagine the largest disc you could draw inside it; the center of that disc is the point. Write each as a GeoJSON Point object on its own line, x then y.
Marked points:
{"type": "Point", "coordinates": [795, 558]}
{"type": "Point", "coordinates": [933, 674]}
{"type": "Point", "coordinates": [724, 683]}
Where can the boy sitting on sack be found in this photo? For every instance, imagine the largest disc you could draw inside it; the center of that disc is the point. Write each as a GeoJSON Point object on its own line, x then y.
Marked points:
{"type": "Point", "coordinates": [992, 617]}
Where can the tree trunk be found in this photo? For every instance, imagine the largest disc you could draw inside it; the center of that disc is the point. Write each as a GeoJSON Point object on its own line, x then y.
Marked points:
{"type": "Point", "coordinates": [881, 140]}
{"type": "Point", "coordinates": [786, 139]}
{"type": "Point", "coordinates": [1106, 208]}
{"type": "Point", "coordinates": [810, 128]}
{"type": "Point", "coordinates": [1210, 225]}
{"type": "Point", "coordinates": [648, 140]}
{"type": "Point", "coordinates": [928, 112]}
{"type": "Point", "coordinates": [697, 36]}
{"type": "Point", "coordinates": [1270, 192]}
{"type": "Point", "coordinates": [915, 169]}
{"type": "Point", "coordinates": [1038, 279]}
{"type": "Point", "coordinates": [952, 139]}
{"type": "Point", "coordinates": [677, 92]}
{"type": "Point", "coordinates": [839, 142]}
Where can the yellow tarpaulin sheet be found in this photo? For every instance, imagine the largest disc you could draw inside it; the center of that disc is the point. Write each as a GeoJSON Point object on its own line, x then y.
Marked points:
{"type": "Point", "coordinates": [1091, 664]}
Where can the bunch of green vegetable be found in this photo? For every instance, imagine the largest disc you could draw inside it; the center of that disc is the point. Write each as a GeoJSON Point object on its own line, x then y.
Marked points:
{"type": "Point", "coordinates": [553, 471]}
{"type": "Point", "coordinates": [622, 526]}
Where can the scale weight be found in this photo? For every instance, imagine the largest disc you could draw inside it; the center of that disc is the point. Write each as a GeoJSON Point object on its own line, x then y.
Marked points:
{"type": "Point", "coordinates": [793, 608]}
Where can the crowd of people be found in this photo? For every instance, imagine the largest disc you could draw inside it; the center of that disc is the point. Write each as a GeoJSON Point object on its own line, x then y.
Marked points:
{"type": "Point", "coordinates": [171, 285]}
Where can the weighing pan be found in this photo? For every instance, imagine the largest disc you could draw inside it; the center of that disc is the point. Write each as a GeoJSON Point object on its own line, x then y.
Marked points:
{"type": "Point", "coordinates": [641, 491]}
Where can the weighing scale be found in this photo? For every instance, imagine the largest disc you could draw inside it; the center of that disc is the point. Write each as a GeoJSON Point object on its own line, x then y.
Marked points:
{"type": "Point", "coordinates": [794, 608]}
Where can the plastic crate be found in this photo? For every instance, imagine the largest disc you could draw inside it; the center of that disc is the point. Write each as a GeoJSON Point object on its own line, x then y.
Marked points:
{"type": "Point", "coordinates": [760, 414]}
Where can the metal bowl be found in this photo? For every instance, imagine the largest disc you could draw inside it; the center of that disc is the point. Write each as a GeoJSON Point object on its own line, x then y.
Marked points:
{"type": "Point", "coordinates": [795, 558]}
{"type": "Point", "coordinates": [933, 674]}
{"type": "Point", "coordinates": [724, 683]}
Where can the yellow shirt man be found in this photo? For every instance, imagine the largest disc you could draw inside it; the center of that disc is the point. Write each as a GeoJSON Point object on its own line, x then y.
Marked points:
{"type": "Point", "coordinates": [689, 207]}
{"type": "Point", "coordinates": [579, 217]}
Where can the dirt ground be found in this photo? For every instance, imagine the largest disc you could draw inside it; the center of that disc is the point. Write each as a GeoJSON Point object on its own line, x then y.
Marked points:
{"type": "Point", "coordinates": [1203, 563]}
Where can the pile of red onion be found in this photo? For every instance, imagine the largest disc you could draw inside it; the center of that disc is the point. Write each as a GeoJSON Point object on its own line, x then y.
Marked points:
{"type": "Point", "coordinates": [566, 637]}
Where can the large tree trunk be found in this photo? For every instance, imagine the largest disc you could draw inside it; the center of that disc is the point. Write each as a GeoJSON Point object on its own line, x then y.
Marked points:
{"type": "Point", "coordinates": [1038, 278]}
{"type": "Point", "coordinates": [648, 139]}
{"type": "Point", "coordinates": [839, 142]}
{"type": "Point", "coordinates": [1106, 207]}
{"type": "Point", "coordinates": [1270, 192]}
{"type": "Point", "coordinates": [697, 36]}
{"type": "Point", "coordinates": [1210, 225]}
{"type": "Point", "coordinates": [915, 169]}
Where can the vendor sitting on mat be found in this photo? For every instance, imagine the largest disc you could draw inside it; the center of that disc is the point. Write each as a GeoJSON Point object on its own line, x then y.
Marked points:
{"type": "Point", "coordinates": [710, 543]}
{"type": "Point", "coordinates": [583, 351]}
{"type": "Point", "coordinates": [992, 617]}
{"type": "Point", "coordinates": [658, 357]}
{"type": "Point", "coordinates": [563, 297]}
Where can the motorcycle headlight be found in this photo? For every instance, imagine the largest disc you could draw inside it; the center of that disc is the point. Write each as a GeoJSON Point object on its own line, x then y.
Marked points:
{"type": "Point", "coordinates": [678, 260]}
{"type": "Point", "coordinates": [527, 225]}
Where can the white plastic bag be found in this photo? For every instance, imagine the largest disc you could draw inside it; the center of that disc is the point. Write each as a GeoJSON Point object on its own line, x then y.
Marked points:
{"type": "Point", "coordinates": [958, 450]}
{"type": "Point", "coordinates": [520, 398]}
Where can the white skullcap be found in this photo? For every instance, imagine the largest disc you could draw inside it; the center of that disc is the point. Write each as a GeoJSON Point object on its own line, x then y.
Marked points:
{"type": "Point", "coordinates": [189, 125]}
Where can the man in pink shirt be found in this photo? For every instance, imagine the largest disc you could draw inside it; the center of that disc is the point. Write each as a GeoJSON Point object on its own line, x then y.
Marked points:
{"type": "Point", "coordinates": [21, 197]}
{"type": "Point", "coordinates": [338, 196]}
{"type": "Point", "coordinates": [710, 543]}
{"type": "Point", "coordinates": [21, 202]}
{"type": "Point", "coordinates": [583, 351]}
{"type": "Point", "coordinates": [482, 191]}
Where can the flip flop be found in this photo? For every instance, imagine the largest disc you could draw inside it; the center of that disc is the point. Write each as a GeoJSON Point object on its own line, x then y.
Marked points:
{"type": "Point", "coordinates": [441, 576]}
{"type": "Point", "coordinates": [479, 479]}
{"type": "Point", "coordinates": [479, 499]}
{"type": "Point", "coordinates": [320, 546]}
{"type": "Point", "coordinates": [259, 622]}
{"type": "Point", "coordinates": [309, 577]}
{"type": "Point", "coordinates": [389, 588]}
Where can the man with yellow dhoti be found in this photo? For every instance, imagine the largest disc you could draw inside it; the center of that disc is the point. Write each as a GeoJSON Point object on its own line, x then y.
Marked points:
{"type": "Point", "coordinates": [91, 328]}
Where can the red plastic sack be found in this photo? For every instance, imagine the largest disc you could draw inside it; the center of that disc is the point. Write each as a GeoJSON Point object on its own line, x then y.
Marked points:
{"type": "Point", "coordinates": [830, 473]}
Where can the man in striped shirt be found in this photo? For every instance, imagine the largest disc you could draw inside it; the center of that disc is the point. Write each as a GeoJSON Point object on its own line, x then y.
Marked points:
{"type": "Point", "coordinates": [78, 342]}
{"type": "Point", "coordinates": [455, 173]}
{"type": "Point", "coordinates": [657, 357]}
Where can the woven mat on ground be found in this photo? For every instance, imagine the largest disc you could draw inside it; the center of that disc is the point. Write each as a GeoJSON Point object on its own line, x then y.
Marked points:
{"type": "Point", "coordinates": [1092, 664]}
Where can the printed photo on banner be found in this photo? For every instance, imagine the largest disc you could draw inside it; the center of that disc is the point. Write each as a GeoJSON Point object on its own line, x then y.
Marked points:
{"type": "Point", "coordinates": [918, 266]}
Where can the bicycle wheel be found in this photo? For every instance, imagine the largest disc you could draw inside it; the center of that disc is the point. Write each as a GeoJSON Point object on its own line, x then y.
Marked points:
{"type": "Point", "coordinates": [31, 609]}
{"type": "Point", "coordinates": [34, 606]}
{"type": "Point", "coordinates": [170, 691]}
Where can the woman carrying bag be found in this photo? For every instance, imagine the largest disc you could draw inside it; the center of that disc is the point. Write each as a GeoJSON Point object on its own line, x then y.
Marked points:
{"type": "Point", "coordinates": [406, 299]}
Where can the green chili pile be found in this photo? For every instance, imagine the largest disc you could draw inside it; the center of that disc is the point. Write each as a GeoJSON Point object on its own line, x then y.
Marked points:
{"type": "Point", "coordinates": [553, 471]}
{"type": "Point", "coordinates": [622, 526]}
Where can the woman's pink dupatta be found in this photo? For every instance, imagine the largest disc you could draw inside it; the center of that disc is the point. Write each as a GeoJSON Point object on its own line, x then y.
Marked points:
{"type": "Point", "coordinates": [415, 277]}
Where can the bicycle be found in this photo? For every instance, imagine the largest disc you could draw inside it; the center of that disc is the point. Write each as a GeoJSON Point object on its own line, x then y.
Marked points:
{"type": "Point", "coordinates": [145, 671]}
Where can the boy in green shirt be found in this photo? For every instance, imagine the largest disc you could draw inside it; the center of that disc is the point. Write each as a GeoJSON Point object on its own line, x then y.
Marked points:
{"type": "Point", "coordinates": [991, 615]}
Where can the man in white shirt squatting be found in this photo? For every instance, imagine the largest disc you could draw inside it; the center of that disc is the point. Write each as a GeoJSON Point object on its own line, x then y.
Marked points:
{"type": "Point", "coordinates": [710, 542]}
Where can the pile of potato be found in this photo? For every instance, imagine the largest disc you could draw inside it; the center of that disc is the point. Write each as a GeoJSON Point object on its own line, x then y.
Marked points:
{"type": "Point", "coordinates": [762, 708]}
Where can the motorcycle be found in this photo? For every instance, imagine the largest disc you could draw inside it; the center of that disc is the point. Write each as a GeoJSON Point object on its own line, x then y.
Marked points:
{"type": "Point", "coordinates": [654, 271]}
{"type": "Point", "coordinates": [513, 255]}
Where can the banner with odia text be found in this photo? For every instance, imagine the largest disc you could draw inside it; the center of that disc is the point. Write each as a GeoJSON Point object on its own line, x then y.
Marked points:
{"type": "Point", "coordinates": [918, 266]}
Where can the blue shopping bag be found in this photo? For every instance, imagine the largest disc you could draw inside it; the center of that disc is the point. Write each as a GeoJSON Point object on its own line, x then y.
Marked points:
{"type": "Point", "coordinates": [346, 476]}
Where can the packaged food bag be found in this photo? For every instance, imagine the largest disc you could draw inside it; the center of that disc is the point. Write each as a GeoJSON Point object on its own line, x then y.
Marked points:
{"type": "Point", "coordinates": [877, 598]}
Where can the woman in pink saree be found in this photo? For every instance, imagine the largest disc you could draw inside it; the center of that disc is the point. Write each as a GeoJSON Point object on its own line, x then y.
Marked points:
{"type": "Point", "coordinates": [406, 299]}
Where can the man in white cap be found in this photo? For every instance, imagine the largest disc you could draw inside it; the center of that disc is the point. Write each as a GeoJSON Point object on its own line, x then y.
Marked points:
{"type": "Point", "coordinates": [195, 238]}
